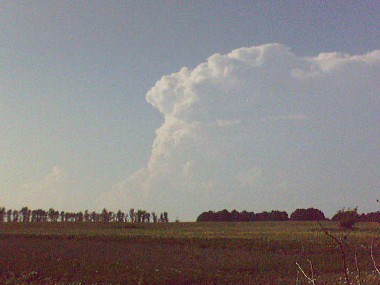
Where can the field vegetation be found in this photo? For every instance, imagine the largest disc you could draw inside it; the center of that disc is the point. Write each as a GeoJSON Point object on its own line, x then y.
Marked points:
{"type": "Point", "coordinates": [184, 253]}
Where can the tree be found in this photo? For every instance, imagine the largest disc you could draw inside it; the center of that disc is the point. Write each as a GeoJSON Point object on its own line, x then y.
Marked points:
{"type": "Point", "coordinates": [15, 216]}
{"type": "Point", "coordinates": [279, 216]}
{"type": "Point", "coordinates": [2, 214]}
{"type": "Point", "coordinates": [111, 216]}
{"type": "Point", "coordinates": [80, 217]}
{"type": "Point", "coordinates": [370, 217]}
{"type": "Point", "coordinates": [120, 216]}
{"type": "Point", "coordinates": [245, 216]}
{"type": "Point", "coordinates": [166, 217]}
{"type": "Point", "coordinates": [309, 214]}
{"type": "Point", "coordinates": [147, 217]}
{"type": "Point", "coordinates": [139, 216]}
{"type": "Point", "coordinates": [86, 216]}
{"type": "Point", "coordinates": [132, 215]}
{"type": "Point", "coordinates": [34, 216]}
{"type": "Point", "coordinates": [346, 218]}
{"type": "Point", "coordinates": [29, 215]}
{"type": "Point", "coordinates": [39, 215]}
{"type": "Point", "coordinates": [263, 216]}
{"type": "Point", "coordinates": [25, 214]}
{"type": "Point", "coordinates": [53, 215]}
{"type": "Point", "coordinates": [126, 217]}
{"type": "Point", "coordinates": [222, 216]}
{"type": "Point", "coordinates": [9, 215]}
{"type": "Point", "coordinates": [154, 217]}
{"type": "Point", "coordinates": [62, 215]}
{"type": "Point", "coordinates": [94, 217]}
{"type": "Point", "coordinates": [104, 216]}
{"type": "Point", "coordinates": [206, 217]}
{"type": "Point", "coordinates": [68, 217]}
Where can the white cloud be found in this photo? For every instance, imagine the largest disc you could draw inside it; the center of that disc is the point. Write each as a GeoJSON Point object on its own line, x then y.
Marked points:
{"type": "Point", "coordinates": [56, 176]}
{"type": "Point", "coordinates": [215, 144]}
{"type": "Point", "coordinates": [54, 190]}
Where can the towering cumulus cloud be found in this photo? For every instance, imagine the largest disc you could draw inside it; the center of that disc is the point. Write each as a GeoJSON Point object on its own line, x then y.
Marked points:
{"type": "Point", "coordinates": [260, 129]}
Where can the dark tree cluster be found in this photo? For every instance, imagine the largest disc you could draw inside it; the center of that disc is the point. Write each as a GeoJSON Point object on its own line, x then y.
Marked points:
{"type": "Point", "coordinates": [244, 216]}
{"type": "Point", "coordinates": [353, 214]}
{"type": "Point", "coordinates": [347, 218]}
{"type": "Point", "coordinates": [309, 214]}
{"type": "Point", "coordinates": [370, 217]}
{"type": "Point", "coordinates": [26, 215]}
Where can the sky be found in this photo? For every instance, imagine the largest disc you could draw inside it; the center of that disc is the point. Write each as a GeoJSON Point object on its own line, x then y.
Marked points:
{"type": "Point", "coordinates": [190, 106]}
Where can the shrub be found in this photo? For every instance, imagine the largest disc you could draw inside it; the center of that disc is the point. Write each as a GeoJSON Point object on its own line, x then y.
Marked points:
{"type": "Point", "coordinates": [347, 218]}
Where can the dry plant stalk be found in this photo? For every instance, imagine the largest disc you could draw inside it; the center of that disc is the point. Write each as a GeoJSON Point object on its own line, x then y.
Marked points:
{"type": "Point", "coordinates": [311, 279]}
{"type": "Point", "coordinates": [373, 257]}
{"type": "Point", "coordinates": [342, 250]}
{"type": "Point", "coordinates": [311, 269]}
{"type": "Point", "coordinates": [357, 268]}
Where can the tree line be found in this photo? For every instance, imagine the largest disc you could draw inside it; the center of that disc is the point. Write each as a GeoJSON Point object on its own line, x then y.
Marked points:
{"type": "Point", "coordinates": [309, 214]}
{"type": "Point", "coordinates": [26, 215]}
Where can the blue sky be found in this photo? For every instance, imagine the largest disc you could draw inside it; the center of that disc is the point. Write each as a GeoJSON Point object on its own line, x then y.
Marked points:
{"type": "Point", "coordinates": [76, 130]}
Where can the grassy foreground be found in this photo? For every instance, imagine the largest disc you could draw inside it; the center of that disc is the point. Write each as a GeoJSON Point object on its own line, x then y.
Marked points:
{"type": "Point", "coordinates": [181, 253]}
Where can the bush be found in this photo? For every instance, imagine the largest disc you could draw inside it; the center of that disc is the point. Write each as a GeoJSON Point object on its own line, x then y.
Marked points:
{"type": "Point", "coordinates": [347, 218]}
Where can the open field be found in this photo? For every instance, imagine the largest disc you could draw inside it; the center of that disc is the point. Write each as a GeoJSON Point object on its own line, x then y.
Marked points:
{"type": "Point", "coordinates": [179, 253]}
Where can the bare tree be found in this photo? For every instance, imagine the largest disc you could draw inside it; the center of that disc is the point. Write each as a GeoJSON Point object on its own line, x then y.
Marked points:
{"type": "Point", "coordinates": [86, 216]}
{"type": "Point", "coordinates": [132, 215]}
{"type": "Point", "coordinates": [53, 215]}
{"type": "Point", "coordinates": [24, 214]}
{"type": "Point", "coordinates": [120, 216]}
{"type": "Point", "coordinates": [166, 217]}
{"type": "Point", "coordinates": [2, 214]}
{"type": "Point", "coordinates": [147, 217]}
{"type": "Point", "coordinates": [9, 215]}
{"type": "Point", "coordinates": [62, 215]}
{"type": "Point", "coordinates": [104, 216]}
{"type": "Point", "coordinates": [15, 216]}
{"type": "Point", "coordinates": [154, 217]}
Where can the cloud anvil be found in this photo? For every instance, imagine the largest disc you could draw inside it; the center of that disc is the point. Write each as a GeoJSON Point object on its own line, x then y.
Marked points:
{"type": "Point", "coordinates": [262, 126]}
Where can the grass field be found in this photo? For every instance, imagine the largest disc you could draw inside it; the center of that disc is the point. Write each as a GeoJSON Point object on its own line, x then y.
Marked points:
{"type": "Point", "coordinates": [181, 253]}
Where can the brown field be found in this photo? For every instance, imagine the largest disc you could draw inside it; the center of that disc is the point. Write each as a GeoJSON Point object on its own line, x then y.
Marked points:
{"type": "Point", "coordinates": [181, 253]}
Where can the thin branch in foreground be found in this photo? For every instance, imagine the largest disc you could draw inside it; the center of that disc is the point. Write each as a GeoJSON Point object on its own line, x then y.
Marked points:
{"type": "Point", "coordinates": [373, 257]}
{"type": "Point", "coordinates": [342, 250]}
{"type": "Point", "coordinates": [298, 277]}
{"type": "Point", "coordinates": [312, 280]}
{"type": "Point", "coordinates": [299, 270]}
{"type": "Point", "coordinates": [311, 269]}
{"type": "Point", "coordinates": [357, 268]}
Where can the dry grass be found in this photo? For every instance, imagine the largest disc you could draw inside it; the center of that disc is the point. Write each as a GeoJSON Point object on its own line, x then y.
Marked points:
{"type": "Point", "coordinates": [178, 253]}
